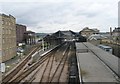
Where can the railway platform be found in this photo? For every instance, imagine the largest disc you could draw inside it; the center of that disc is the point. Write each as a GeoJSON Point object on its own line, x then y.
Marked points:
{"type": "Point", "coordinates": [96, 65]}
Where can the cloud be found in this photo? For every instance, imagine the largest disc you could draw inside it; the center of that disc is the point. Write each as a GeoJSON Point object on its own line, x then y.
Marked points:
{"type": "Point", "coordinates": [53, 15]}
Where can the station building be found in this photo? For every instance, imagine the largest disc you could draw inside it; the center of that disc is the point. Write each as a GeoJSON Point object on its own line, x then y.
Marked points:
{"type": "Point", "coordinates": [69, 36]}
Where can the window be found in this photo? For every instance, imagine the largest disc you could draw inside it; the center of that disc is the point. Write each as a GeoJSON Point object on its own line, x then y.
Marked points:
{"type": "Point", "coordinates": [3, 31]}
{"type": "Point", "coordinates": [3, 40]}
{"type": "Point", "coordinates": [0, 53]}
{"type": "Point", "coordinates": [107, 50]}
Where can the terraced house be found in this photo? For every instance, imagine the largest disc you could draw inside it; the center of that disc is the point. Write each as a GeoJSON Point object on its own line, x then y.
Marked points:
{"type": "Point", "coordinates": [7, 37]}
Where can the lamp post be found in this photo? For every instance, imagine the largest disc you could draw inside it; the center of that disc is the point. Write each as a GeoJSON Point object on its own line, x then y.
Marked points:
{"type": "Point", "coordinates": [116, 47]}
{"type": "Point", "coordinates": [100, 39]}
{"type": "Point", "coordinates": [117, 44]}
{"type": "Point", "coordinates": [43, 44]}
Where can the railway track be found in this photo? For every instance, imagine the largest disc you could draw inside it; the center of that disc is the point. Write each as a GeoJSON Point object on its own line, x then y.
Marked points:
{"type": "Point", "coordinates": [26, 72]}
{"type": "Point", "coordinates": [14, 71]}
{"type": "Point", "coordinates": [73, 67]}
{"type": "Point", "coordinates": [47, 64]}
{"type": "Point", "coordinates": [58, 71]}
{"type": "Point", "coordinates": [51, 67]}
{"type": "Point", "coordinates": [49, 73]}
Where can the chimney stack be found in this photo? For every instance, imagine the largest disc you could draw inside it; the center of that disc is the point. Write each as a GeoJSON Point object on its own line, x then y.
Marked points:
{"type": "Point", "coordinates": [111, 31]}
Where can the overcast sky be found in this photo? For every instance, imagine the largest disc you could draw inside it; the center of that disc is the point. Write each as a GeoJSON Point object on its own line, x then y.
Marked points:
{"type": "Point", "coordinates": [47, 16]}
